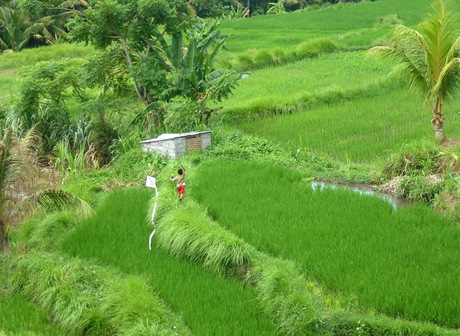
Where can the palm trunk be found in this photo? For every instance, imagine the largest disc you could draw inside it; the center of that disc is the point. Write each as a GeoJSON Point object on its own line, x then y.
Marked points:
{"type": "Point", "coordinates": [3, 235]}
{"type": "Point", "coordinates": [438, 121]}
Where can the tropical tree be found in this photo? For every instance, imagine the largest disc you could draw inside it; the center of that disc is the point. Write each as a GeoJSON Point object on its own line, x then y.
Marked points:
{"type": "Point", "coordinates": [193, 67]}
{"type": "Point", "coordinates": [430, 58]}
{"type": "Point", "coordinates": [131, 30]}
{"type": "Point", "coordinates": [14, 28]}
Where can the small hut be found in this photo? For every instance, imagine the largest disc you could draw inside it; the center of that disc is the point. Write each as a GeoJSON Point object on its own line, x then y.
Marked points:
{"type": "Point", "coordinates": [175, 145]}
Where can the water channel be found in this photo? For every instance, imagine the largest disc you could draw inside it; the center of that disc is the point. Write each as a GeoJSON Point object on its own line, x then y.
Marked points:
{"type": "Point", "coordinates": [395, 201]}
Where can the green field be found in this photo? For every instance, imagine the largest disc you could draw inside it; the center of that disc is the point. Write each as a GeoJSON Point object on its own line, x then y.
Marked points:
{"type": "Point", "coordinates": [402, 263]}
{"type": "Point", "coordinates": [335, 261]}
{"type": "Point", "coordinates": [210, 305]}
{"type": "Point", "coordinates": [359, 130]}
{"type": "Point", "coordinates": [357, 25]}
{"type": "Point", "coordinates": [290, 83]}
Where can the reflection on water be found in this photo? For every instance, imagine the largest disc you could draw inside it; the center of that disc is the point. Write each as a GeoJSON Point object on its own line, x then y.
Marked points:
{"type": "Point", "coordinates": [395, 201]}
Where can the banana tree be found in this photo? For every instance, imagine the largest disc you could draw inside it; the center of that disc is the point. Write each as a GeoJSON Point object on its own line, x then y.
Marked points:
{"type": "Point", "coordinates": [193, 67]}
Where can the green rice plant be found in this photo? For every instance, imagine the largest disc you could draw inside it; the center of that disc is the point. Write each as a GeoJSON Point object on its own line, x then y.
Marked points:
{"type": "Point", "coordinates": [360, 130]}
{"type": "Point", "coordinates": [308, 82]}
{"type": "Point", "coordinates": [28, 57]}
{"type": "Point", "coordinates": [90, 299]}
{"type": "Point", "coordinates": [363, 19]}
{"type": "Point", "coordinates": [46, 232]}
{"type": "Point", "coordinates": [210, 304]}
{"type": "Point", "coordinates": [21, 317]}
{"type": "Point", "coordinates": [401, 263]}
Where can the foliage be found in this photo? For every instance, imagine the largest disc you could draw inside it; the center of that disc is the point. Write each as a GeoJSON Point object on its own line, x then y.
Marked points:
{"type": "Point", "coordinates": [135, 35]}
{"type": "Point", "coordinates": [430, 58]}
{"type": "Point", "coordinates": [133, 165]}
{"type": "Point", "coordinates": [102, 136]}
{"type": "Point", "coordinates": [15, 153]}
{"type": "Point", "coordinates": [31, 23]}
{"type": "Point", "coordinates": [45, 90]}
{"type": "Point", "coordinates": [182, 116]}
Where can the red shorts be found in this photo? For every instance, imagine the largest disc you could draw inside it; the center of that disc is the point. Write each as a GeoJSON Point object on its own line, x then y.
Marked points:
{"type": "Point", "coordinates": [181, 189]}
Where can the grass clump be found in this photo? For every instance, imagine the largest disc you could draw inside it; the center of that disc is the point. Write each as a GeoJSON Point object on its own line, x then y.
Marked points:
{"type": "Point", "coordinates": [188, 233]}
{"type": "Point", "coordinates": [90, 299]}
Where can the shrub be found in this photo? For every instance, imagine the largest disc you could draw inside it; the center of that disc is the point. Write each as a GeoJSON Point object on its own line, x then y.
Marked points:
{"type": "Point", "coordinates": [102, 137]}
{"type": "Point", "coordinates": [263, 58]}
{"type": "Point", "coordinates": [315, 47]}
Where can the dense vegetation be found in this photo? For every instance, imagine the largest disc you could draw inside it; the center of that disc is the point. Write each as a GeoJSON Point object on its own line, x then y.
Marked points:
{"type": "Point", "coordinates": [292, 97]}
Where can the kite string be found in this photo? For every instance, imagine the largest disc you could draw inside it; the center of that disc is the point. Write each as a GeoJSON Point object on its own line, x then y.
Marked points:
{"type": "Point", "coordinates": [153, 215]}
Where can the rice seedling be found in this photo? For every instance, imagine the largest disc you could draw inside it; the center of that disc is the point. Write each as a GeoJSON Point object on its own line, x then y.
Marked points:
{"type": "Point", "coordinates": [355, 24]}
{"type": "Point", "coordinates": [210, 305]}
{"type": "Point", "coordinates": [89, 299]}
{"type": "Point", "coordinates": [28, 57]}
{"type": "Point", "coordinates": [292, 83]}
{"type": "Point", "coordinates": [21, 317]}
{"type": "Point", "coordinates": [401, 263]}
{"type": "Point", "coordinates": [361, 130]}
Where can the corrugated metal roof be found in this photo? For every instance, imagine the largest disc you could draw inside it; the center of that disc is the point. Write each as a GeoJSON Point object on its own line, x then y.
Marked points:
{"type": "Point", "coordinates": [170, 136]}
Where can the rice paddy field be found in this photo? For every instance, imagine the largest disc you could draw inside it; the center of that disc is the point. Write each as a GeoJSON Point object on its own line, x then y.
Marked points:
{"type": "Point", "coordinates": [210, 305]}
{"type": "Point", "coordinates": [363, 130]}
{"type": "Point", "coordinates": [343, 106]}
{"type": "Point", "coordinates": [402, 263]}
{"type": "Point", "coordinates": [21, 317]}
{"type": "Point", "coordinates": [357, 25]}
{"type": "Point", "coordinates": [288, 84]}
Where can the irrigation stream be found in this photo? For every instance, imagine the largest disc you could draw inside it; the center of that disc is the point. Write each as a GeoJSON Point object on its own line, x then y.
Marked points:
{"type": "Point", "coordinates": [395, 201]}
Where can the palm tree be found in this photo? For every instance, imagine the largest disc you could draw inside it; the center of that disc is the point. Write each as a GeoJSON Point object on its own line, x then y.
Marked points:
{"type": "Point", "coordinates": [430, 58]}
{"type": "Point", "coordinates": [14, 25]}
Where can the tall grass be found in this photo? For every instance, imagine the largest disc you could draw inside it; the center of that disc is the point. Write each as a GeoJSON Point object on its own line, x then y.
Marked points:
{"type": "Point", "coordinates": [210, 305]}
{"type": "Point", "coordinates": [401, 263]}
{"type": "Point", "coordinates": [361, 130]}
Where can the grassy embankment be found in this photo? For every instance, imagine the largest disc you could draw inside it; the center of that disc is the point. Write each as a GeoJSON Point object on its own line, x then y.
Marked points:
{"type": "Point", "coordinates": [402, 263]}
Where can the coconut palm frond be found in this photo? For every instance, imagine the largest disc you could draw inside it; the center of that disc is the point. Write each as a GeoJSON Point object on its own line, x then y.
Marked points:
{"type": "Point", "coordinates": [52, 200]}
{"type": "Point", "coordinates": [410, 65]}
{"type": "Point", "coordinates": [447, 83]}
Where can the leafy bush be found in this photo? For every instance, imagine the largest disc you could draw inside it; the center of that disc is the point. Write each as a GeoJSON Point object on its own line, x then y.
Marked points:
{"type": "Point", "coordinates": [102, 137]}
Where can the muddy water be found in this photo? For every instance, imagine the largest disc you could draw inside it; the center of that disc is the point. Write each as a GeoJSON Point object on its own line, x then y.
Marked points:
{"type": "Point", "coordinates": [395, 201]}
